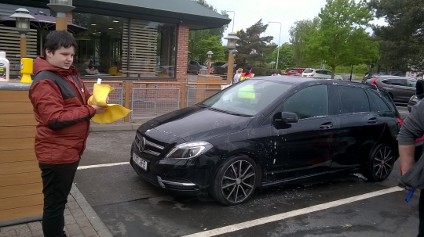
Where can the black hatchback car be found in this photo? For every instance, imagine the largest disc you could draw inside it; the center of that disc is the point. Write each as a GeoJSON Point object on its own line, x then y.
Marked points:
{"type": "Point", "coordinates": [267, 131]}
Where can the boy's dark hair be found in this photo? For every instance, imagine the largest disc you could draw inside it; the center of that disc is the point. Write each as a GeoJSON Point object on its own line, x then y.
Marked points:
{"type": "Point", "coordinates": [57, 39]}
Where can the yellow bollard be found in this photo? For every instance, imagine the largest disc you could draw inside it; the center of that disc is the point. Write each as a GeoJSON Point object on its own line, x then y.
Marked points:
{"type": "Point", "coordinates": [26, 70]}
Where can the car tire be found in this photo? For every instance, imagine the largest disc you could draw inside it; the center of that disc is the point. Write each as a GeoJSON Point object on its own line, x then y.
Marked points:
{"type": "Point", "coordinates": [380, 163]}
{"type": "Point", "coordinates": [235, 180]}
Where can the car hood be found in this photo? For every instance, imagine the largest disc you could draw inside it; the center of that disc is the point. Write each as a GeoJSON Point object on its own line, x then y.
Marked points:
{"type": "Point", "coordinates": [193, 124]}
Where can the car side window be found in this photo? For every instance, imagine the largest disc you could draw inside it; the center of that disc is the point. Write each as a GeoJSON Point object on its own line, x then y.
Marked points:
{"type": "Point", "coordinates": [353, 100]}
{"type": "Point", "coordinates": [309, 102]}
{"type": "Point", "coordinates": [399, 82]}
{"type": "Point", "coordinates": [377, 102]}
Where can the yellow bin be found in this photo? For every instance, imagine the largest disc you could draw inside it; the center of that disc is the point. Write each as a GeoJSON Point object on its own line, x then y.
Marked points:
{"type": "Point", "coordinates": [26, 70]}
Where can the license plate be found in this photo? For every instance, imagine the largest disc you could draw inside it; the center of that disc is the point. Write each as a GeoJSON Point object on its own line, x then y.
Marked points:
{"type": "Point", "coordinates": [140, 161]}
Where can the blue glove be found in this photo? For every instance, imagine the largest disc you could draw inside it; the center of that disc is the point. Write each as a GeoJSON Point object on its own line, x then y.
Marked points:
{"type": "Point", "coordinates": [410, 195]}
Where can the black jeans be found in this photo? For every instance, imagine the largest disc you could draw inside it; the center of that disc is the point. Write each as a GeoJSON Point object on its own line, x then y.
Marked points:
{"type": "Point", "coordinates": [57, 183]}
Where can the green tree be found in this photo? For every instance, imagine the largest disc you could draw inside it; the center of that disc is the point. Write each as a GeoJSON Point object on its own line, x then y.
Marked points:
{"type": "Point", "coordinates": [401, 40]}
{"type": "Point", "coordinates": [299, 35]}
{"type": "Point", "coordinates": [252, 48]}
{"type": "Point", "coordinates": [341, 38]}
{"type": "Point", "coordinates": [201, 41]}
{"type": "Point", "coordinates": [212, 43]}
{"type": "Point", "coordinates": [285, 59]}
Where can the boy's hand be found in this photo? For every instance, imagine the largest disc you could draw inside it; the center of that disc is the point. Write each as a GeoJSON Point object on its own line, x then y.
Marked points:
{"type": "Point", "coordinates": [99, 109]}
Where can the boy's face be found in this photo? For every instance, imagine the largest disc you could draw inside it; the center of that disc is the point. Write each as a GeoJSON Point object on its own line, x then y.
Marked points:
{"type": "Point", "coordinates": [62, 58]}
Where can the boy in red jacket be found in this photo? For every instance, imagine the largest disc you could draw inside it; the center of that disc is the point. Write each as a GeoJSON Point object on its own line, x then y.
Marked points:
{"type": "Point", "coordinates": [59, 98]}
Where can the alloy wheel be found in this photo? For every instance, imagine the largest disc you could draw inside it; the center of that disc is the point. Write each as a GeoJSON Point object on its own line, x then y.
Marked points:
{"type": "Point", "coordinates": [238, 181]}
{"type": "Point", "coordinates": [382, 162]}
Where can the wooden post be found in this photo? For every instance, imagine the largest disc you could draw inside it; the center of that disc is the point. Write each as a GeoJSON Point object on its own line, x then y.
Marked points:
{"type": "Point", "coordinates": [23, 45]}
{"type": "Point", "coordinates": [183, 96]}
{"type": "Point", "coordinates": [230, 68]}
{"type": "Point", "coordinates": [127, 96]}
{"type": "Point", "coordinates": [61, 23]}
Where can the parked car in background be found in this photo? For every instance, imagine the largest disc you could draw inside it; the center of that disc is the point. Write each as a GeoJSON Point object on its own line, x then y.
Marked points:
{"type": "Point", "coordinates": [401, 89]}
{"type": "Point", "coordinates": [294, 72]}
{"type": "Point", "coordinates": [267, 131]}
{"type": "Point", "coordinates": [419, 94]}
{"type": "Point", "coordinates": [195, 67]}
{"type": "Point", "coordinates": [222, 69]}
{"type": "Point", "coordinates": [317, 73]}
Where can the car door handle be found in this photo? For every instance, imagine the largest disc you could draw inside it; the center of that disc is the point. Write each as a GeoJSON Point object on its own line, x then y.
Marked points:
{"type": "Point", "coordinates": [372, 120]}
{"type": "Point", "coordinates": [327, 125]}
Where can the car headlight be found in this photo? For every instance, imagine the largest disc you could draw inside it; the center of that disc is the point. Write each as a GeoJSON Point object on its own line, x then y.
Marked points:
{"type": "Point", "coordinates": [189, 150]}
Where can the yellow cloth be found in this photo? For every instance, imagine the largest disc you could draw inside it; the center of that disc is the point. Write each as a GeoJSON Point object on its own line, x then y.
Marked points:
{"type": "Point", "coordinates": [113, 112]}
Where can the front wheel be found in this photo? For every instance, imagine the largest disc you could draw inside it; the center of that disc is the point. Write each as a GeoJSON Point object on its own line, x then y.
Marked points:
{"type": "Point", "coordinates": [235, 181]}
{"type": "Point", "coordinates": [380, 163]}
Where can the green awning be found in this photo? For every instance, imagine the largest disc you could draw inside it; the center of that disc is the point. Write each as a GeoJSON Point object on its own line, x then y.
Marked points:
{"type": "Point", "coordinates": [189, 12]}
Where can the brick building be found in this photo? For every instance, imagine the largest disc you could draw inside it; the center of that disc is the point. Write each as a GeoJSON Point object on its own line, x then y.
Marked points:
{"type": "Point", "coordinates": [142, 39]}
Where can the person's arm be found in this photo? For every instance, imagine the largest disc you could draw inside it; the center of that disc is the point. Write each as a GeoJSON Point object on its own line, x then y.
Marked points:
{"type": "Point", "coordinates": [406, 157]}
{"type": "Point", "coordinates": [91, 71]}
{"type": "Point", "coordinates": [49, 105]}
{"type": "Point", "coordinates": [412, 128]}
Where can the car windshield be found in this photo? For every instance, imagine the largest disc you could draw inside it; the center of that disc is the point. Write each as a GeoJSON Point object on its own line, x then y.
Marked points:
{"type": "Point", "coordinates": [308, 70]}
{"type": "Point", "coordinates": [247, 98]}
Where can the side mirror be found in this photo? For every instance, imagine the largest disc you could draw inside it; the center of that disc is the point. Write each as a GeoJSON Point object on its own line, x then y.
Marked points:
{"type": "Point", "coordinates": [286, 118]}
{"type": "Point", "coordinates": [289, 117]}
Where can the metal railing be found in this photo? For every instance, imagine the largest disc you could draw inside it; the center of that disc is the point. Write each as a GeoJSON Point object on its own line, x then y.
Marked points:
{"type": "Point", "coordinates": [151, 99]}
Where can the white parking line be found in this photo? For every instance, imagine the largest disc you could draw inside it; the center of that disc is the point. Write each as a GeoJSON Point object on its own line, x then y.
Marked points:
{"type": "Point", "coordinates": [102, 165]}
{"type": "Point", "coordinates": [286, 215]}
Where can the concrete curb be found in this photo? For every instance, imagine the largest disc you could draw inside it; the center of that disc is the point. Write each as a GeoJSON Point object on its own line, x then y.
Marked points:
{"type": "Point", "coordinates": [94, 219]}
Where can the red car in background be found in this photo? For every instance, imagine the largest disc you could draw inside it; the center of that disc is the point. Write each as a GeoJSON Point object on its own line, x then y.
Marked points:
{"type": "Point", "coordinates": [294, 71]}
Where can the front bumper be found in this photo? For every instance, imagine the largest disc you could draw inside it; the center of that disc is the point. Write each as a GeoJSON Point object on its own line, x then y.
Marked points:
{"type": "Point", "coordinates": [181, 176]}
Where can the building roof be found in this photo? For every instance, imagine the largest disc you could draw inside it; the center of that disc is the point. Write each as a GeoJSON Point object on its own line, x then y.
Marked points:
{"type": "Point", "coordinates": [188, 12]}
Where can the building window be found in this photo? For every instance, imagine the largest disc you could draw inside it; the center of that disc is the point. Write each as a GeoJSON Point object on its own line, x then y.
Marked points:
{"type": "Point", "coordinates": [115, 46]}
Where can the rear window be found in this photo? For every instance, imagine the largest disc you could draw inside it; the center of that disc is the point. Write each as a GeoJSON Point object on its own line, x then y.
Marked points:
{"type": "Point", "coordinates": [380, 101]}
{"type": "Point", "coordinates": [353, 100]}
{"type": "Point", "coordinates": [308, 70]}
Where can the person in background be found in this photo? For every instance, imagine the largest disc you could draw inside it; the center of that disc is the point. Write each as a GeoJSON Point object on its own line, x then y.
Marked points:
{"type": "Point", "coordinates": [247, 73]}
{"type": "Point", "coordinates": [275, 73]}
{"type": "Point", "coordinates": [411, 132]}
{"type": "Point", "coordinates": [91, 70]}
{"type": "Point", "coordinates": [237, 76]}
{"type": "Point", "coordinates": [59, 99]}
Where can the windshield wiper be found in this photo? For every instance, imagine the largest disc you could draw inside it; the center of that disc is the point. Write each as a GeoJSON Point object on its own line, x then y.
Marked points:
{"type": "Point", "coordinates": [230, 112]}
{"type": "Point", "coordinates": [203, 105]}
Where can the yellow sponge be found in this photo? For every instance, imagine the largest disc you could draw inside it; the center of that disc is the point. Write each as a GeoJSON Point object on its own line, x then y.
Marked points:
{"type": "Point", "coordinates": [113, 112]}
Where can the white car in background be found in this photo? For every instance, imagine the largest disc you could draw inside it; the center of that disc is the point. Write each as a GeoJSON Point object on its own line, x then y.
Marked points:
{"type": "Point", "coordinates": [317, 73]}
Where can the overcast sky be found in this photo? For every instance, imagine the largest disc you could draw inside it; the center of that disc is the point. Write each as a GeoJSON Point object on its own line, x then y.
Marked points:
{"type": "Point", "coordinates": [287, 12]}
